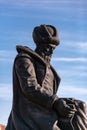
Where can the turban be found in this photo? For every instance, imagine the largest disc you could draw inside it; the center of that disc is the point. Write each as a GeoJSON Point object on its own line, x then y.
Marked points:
{"type": "Point", "coordinates": [45, 34]}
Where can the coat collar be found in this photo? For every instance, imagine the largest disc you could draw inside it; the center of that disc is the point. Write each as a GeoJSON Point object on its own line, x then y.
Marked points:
{"type": "Point", "coordinates": [30, 52]}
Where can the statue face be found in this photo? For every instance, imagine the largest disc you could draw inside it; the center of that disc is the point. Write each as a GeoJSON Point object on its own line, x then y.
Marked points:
{"type": "Point", "coordinates": [45, 51]}
{"type": "Point", "coordinates": [48, 49]}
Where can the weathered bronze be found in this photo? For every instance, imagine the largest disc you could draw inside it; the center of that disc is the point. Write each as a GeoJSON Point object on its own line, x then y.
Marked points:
{"type": "Point", "coordinates": [36, 105]}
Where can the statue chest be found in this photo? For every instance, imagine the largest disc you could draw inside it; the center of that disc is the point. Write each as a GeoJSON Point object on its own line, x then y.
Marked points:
{"type": "Point", "coordinates": [44, 74]}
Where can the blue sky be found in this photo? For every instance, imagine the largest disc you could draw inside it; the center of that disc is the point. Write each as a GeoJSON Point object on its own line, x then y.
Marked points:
{"type": "Point", "coordinates": [17, 20]}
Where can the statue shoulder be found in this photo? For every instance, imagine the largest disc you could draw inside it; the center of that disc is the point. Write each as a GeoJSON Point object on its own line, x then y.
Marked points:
{"type": "Point", "coordinates": [23, 52]}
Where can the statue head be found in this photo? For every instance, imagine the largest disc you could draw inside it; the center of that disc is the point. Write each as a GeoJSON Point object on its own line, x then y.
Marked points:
{"type": "Point", "coordinates": [46, 39]}
{"type": "Point", "coordinates": [45, 34]}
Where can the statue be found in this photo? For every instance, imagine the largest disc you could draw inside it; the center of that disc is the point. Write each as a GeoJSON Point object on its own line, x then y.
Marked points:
{"type": "Point", "coordinates": [35, 83]}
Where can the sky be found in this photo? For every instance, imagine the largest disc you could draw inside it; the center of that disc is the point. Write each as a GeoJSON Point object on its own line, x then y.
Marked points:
{"type": "Point", "coordinates": [17, 21]}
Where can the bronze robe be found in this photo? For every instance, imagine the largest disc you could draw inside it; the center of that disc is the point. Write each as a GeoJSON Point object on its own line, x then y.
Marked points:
{"type": "Point", "coordinates": [35, 84]}
{"type": "Point", "coordinates": [34, 92]}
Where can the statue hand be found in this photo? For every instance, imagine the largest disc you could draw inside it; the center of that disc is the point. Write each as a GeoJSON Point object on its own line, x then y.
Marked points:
{"type": "Point", "coordinates": [63, 109]}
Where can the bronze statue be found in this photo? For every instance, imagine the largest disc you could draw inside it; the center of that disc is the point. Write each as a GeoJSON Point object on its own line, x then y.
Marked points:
{"type": "Point", "coordinates": [35, 83]}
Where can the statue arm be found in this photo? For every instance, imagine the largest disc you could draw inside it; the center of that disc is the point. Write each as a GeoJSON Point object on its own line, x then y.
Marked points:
{"type": "Point", "coordinates": [29, 85]}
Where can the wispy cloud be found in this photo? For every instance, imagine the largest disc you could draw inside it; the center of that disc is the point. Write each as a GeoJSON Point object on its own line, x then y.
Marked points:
{"type": "Point", "coordinates": [73, 73]}
{"type": "Point", "coordinates": [41, 4]}
{"type": "Point", "coordinates": [81, 45]}
{"type": "Point", "coordinates": [66, 59]}
{"type": "Point", "coordinates": [6, 91]}
{"type": "Point", "coordinates": [45, 1]}
{"type": "Point", "coordinates": [73, 91]}
{"type": "Point", "coordinates": [6, 53]}
{"type": "Point", "coordinates": [27, 3]}
{"type": "Point", "coordinates": [7, 56]}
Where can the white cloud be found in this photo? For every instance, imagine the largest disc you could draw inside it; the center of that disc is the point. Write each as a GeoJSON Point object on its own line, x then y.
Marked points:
{"type": "Point", "coordinates": [7, 55]}
{"type": "Point", "coordinates": [73, 92]}
{"type": "Point", "coordinates": [41, 4]}
{"type": "Point", "coordinates": [71, 46]}
{"type": "Point", "coordinates": [27, 2]}
{"type": "Point", "coordinates": [73, 73]}
{"type": "Point", "coordinates": [5, 91]}
{"type": "Point", "coordinates": [81, 45]}
{"type": "Point", "coordinates": [66, 59]}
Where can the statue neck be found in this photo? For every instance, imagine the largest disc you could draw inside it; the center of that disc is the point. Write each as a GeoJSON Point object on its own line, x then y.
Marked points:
{"type": "Point", "coordinates": [42, 53]}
